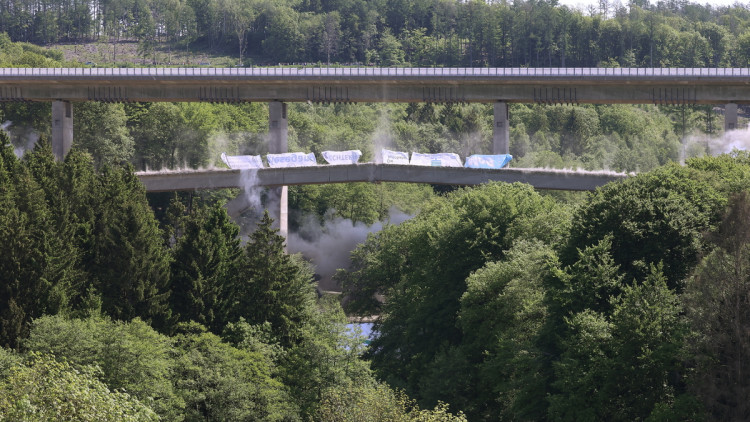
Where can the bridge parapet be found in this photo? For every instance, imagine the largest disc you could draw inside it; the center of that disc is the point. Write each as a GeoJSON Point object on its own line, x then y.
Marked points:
{"type": "Point", "coordinates": [360, 73]}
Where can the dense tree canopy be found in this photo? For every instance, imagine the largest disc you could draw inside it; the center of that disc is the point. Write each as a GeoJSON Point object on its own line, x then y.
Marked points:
{"type": "Point", "coordinates": [395, 32]}
{"type": "Point", "coordinates": [613, 309]}
{"type": "Point", "coordinates": [628, 303]}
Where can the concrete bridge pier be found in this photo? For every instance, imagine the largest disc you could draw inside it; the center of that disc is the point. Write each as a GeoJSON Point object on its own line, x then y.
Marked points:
{"type": "Point", "coordinates": [62, 128]}
{"type": "Point", "coordinates": [500, 129]}
{"type": "Point", "coordinates": [730, 117]}
{"type": "Point", "coordinates": [278, 128]}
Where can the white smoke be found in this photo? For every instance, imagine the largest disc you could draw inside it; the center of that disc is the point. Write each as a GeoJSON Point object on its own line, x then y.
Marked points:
{"type": "Point", "coordinates": [329, 245]}
{"type": "Point", "coordinates": [703, 144]}
{"type": "Point", "coordinates": [23, 139]}
{"type": "Point", "coordinates": [471, 143]}
{"type": "Point", "coordinates": [234, 143]}
{"type": "Point", "coordinates": [247, 208]}
{"type": "Point", "coordinates": [382, 137]}
{"type": "Point", "coordinates": [250, 187]}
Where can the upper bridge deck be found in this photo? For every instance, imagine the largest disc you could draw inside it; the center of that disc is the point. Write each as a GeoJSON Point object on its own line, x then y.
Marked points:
{"type": "Point", "coordinates": [346, 84]}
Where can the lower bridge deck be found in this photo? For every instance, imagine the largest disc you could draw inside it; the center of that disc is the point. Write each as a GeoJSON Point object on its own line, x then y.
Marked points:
{"type": "Point", "coordinates": [575, 180]}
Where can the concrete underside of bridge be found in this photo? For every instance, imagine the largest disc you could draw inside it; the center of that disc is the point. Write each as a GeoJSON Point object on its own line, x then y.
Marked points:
{"type": "Point", "coordinates": [448, 92]}
{"type": "Point", "coordinates": [374, 173]}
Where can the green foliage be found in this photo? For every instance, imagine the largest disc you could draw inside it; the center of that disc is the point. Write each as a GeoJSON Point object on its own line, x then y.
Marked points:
{"type": "Point", "coordinates": [658, 216]}
{"type": "Point", "coordinates": [592, 280]}
{"type": "Point", "coordinates": [422, 266]}
{"type": "Point", "coordinates": [424, 33]}
{"type": "Point", "coordinates": [619, 367]}
{"type": "Point", "coordinates": [38, 269]}
{"type": "Point", "coordinates": [132, 356]}
{"type": "Point", "coordinates": [327, 356]}
{"type": "Point", "coordinates": [620, 137]}
{"type": "Point", "coordinates": [220, 382]}
{"type": "Point", "coordinates": [716, 306]}
{"type": "Point", "coordinates": [97, 245]}
{"type": "Point", "coordinates": [43, 389]}
{"type": "Point", "coordinates": [502, 313]}
{"type": "Point", "coordinates": [728, 173]}
{"type": "Point", "coordinates": [101, 131]}
{"type": "Point", "coordinates": [204, 267]}
{"type": "Point", "coordinates": [130, 265]}
{"type": "Point", "coordinates": [8, 360]}
{"type": "Point", "coordinates": [272, 286]}
{"type": "Point", "coordinates": [377, 403]}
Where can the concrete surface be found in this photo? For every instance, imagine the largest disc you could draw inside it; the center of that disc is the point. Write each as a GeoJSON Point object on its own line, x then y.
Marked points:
{"type": "Point", "coordinates": [371, 172]}
{"type": "Point", "coordinates": [528, 85]}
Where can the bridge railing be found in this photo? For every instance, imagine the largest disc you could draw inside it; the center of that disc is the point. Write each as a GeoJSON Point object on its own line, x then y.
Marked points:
{"type": "Point", "coordinates": [367, 72]}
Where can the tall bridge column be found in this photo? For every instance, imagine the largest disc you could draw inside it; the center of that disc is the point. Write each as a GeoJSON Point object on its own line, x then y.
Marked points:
{"type": "Point", "coordinates": [278, 128]}
{"type": "Point", "coordinates": [730, 117]}
{"type": "Point", "coordinates": [62, 128]}
{"type": "Point", "coordinates": [500, 129]}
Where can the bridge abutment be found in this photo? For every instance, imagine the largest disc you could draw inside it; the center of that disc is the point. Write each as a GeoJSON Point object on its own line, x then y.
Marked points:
{"type": "Point", "coordinates": [730, 117]}
{"type": "Point", "coordinates": [62, 128]}
{"type": "Point", "coordinates": [500, 129]}
{"type": "Point", "coordinates": [278, 128]}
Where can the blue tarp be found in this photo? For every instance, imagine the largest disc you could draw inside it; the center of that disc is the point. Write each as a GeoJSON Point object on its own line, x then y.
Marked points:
{"type": "Point", "coordinates": [478, 161]}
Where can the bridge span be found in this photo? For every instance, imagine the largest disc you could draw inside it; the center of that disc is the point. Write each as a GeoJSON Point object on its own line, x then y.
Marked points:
{"type": "Point", "coordinates": [278, 86]}
{"type": "Point", "coordinates": [371, 172]}
{"type": "Point", "coordinates": [330, 85]}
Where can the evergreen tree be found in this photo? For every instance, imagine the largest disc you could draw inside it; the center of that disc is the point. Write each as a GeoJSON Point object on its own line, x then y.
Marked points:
{"type": "Point", "coordinates": [82, 193]}
{"type": "Point", "coordinates": [130, 264]}
{"type": "Point", "coordinates": [38, 264]}
{"type": "Point", "coordinates": [273, 286]}
{"type": "Point", "coordinates": [205, 260]}
{"type": "Point", "coordinates": [620, 366]}
{"type": "Point", "coordinates": [717, 307]}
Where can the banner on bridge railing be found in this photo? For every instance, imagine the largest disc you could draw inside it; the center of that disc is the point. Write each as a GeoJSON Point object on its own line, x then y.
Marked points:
{"type": "Point", "coordinates": [291, 159]}
{"type": "Point", "coordinates": [342, 157]}
{"type": "Point", "coordinates": [394, 157]}
{"type": "Point", "coordinates": [242, 162]}
{"type": "Point", "coordinates": [444, 159]}
{"type": "Point", "coordinates": [479, 161]}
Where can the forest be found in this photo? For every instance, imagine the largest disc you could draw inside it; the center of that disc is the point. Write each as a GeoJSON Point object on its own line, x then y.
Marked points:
{"type": "Point", "coordinates": [500, 302]}
{"type": "Point", "coordinates": [535, 33]}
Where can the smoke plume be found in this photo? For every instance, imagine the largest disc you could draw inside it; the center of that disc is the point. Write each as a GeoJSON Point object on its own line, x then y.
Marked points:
{"type": "Point", "coordinates": [703, 144]}
{"type": "Point", "coordinates": [23, 139]}
{"type": "Point", "coordinates": [329, 245]}
{"type": "Point", "coordinates": [382, 137]}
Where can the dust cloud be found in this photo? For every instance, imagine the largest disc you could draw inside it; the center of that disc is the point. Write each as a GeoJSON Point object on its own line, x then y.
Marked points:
{"type": "Point", "coordinates": [328, 245]}
{"type": "Point", "coordinates": [703, 144]}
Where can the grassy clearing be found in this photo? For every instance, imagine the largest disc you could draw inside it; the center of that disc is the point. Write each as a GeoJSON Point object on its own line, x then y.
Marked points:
{"type": "Point", "coordinates": [106, 54]}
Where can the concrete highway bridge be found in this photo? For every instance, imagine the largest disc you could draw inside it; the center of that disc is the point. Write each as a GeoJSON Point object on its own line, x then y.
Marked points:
{"type": "Point", "coordinates": [161, 181]}
{"type": "Point", "coordinates": [673, 86]}
{"type": "Point", "coordinates": [277, 86]}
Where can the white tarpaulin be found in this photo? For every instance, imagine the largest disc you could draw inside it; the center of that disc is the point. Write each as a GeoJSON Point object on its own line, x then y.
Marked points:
{"type": "Point", "coordinates": [444, 159]}
{"type": "Point", "coordinates": [342, 157]}
{"type": "Point", "coordinates": [291, 159]}
{"type": "Point", "coordinates": [394, 157]}
{"type": "Point", "coordinates": [242, 161]}
{"type": "Point", "coordinates": [478, 161]}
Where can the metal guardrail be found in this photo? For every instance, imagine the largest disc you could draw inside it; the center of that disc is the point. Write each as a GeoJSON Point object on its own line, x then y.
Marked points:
{"type": "Point", "coordinates": [373, 72]}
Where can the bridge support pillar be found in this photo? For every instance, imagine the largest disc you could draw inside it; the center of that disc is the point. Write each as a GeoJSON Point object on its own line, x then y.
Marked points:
{"type": "Point", "coordinates": [730, 117]}
{"type": "Point", "coordinates": [278, 128]}
{"type": "Point", "coordinates": [500, 129]}
{"type": "Point", "coordinates": [62, 128]}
